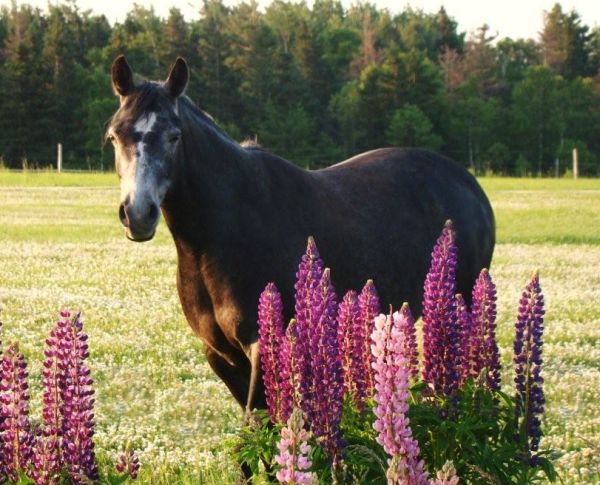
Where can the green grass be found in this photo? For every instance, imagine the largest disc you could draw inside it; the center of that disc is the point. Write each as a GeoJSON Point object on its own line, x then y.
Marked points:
{"type": "Point", "coordinates": [61, 245]}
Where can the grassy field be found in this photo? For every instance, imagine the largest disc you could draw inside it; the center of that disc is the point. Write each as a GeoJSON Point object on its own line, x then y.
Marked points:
{"type": "Point", "coordinates": [61, 246]}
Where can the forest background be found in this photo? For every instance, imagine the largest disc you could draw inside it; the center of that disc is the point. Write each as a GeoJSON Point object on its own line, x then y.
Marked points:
{"type": "Point", "coordinates": [313, 84]}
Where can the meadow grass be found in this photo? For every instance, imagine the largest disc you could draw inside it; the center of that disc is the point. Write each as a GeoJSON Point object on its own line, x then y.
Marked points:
{"type": "Point", "coordinates": [61, 245]}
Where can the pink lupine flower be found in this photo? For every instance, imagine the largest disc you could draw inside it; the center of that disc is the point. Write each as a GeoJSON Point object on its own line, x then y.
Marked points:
{"type": "Point", "coordinates": [294, 452]}
{"type": "Point", "coordinates": [391, 395]}
{"type": "Point", "coordinates": [369, 308]}
{"type": "Point", "coordinates": [441, 335]}
{"type": "Point", "coordinates": [15, 429]}
{"type": "Point", "coordinates": [446, 476]}
{"type": "Point", "coordinates": [271, 335]}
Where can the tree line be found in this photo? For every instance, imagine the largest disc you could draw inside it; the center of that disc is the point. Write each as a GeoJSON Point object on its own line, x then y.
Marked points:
{"type": "Point", "coordinates": [313, 84]}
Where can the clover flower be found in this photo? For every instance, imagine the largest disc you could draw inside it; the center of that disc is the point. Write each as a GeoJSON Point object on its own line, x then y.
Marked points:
{"type": "Point", "coordinates": [483, 353]}
{"type": "Point", "coordinates": [328, 381]}
{"type": "Point", "coordinates": [528, 365]}
{"type": "Point", "coordinates": [369, 308]}
{"type": "Point", "coordinates": [441, 335]}
{"type": "Point", "coordinates": [77, 402]}
{"type": "Point", "coordinates": [271, 335]}
{"type": "Point", "coordinates": [391, 395]}
{"type": "Point", "coordinates": [350, 343]}
{"type": "Point", "coordinates": [294, 453]}
{"type": "Point", "coordinates": [15, 429]}
{"type": "Point", "coordinates": [310, 271]}
{"type": "Point", "coordinates": [128, 463]}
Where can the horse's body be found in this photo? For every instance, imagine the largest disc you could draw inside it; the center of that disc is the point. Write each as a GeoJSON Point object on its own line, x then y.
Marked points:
{"type": "Point", "coordinates": [240, 217]}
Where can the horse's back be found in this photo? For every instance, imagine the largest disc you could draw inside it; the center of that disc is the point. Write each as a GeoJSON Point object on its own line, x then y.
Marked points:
{"type": "Point", "coordinates": [391, 205]}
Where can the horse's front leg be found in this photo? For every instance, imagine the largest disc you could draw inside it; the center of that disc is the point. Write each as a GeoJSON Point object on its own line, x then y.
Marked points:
{"type": "Point", "coordinates": [256, 389]}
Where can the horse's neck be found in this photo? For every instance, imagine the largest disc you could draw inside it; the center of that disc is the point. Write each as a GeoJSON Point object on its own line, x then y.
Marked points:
{"type": "Point", "coordinates": [210, 171]}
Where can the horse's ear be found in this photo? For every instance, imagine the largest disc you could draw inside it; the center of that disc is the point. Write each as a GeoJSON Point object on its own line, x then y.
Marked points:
{"type": "Point", "coordinates": [178, 78]}
{"type": "Point", "coordinates": [122, 76]}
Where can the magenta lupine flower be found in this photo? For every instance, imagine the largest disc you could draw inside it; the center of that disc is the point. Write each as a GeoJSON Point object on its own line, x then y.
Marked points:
{"type": "Point", "coordinates": [368, 302]}
{"type": "Point", "coordinates": [391, 395]}
{"type": "Point", "coordinates": [77, 401]}
{"type": "Point", "coordinates": [270, 336]}
{"type": "Point", "coordinates": [463, 322]}
{"type": "Point", "coordinates": [441, 335]}
{"type": "Point", "coordinates": [129, 463]}
{"type": "Point", "coordinates": [328, 381]}
{"type": "Point", "coordinates": [348, 343]}
{"type": "Point", "coordinates": [308, 277]}
{"type": "Point", "coordinates": [294, 453]}
{"type": "Point", "coordinates": [15, 429]}
{"type": "Point", "coordinates": [405, 320]}
{"type": "Point", "coordinates": [483, 353]}
{"type": "Point", "coordinates": [47, 461]}
{"type": "Point", "coordinates": [291, 372]}
{"type": "Point", "coordinates": [528, 364]}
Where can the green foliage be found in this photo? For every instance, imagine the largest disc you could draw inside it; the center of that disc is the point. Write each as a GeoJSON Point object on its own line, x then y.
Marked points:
{"type": "Point", "coordinates": [411, 127]}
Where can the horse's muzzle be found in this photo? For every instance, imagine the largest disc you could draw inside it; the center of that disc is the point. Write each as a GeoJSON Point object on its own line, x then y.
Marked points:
{"type": "Point", "coordinates": [138, 226]}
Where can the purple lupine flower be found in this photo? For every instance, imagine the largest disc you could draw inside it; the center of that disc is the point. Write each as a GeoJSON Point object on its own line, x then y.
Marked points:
{"type": "Point", "coordinates": [391, 395]}
{"type": "Point", "coordinates": [405, 320]}
{"type": "Point", "coordinates": [463, 322]}
{"type": "Point", "coordinates": [483, 353]}
{"type": "Point", "coordinates": [15, 429]}
{"type": "Point", "coordinates": [328, 381]}
{"type": "Point", "coordinates": [294, 453]}
{"type": "Point", "coordinates": [77, 402]}
{"type": "Point", "coordinates": [270, 336]}
{"type": "Point", "coordinates": [47, 461]}
{"type": "Point", "coordinates": [308, 277]}
{"type": "Point", "coordinates": [129, 463]}
{"type": "Point", "coordinates": [528, 364]}
{"type": "Point", "coordinates": [441, 335]}
{"type": "Point", "coordinates": [348, 343]}
{"type": "Point", "coordinates": [368, 302]}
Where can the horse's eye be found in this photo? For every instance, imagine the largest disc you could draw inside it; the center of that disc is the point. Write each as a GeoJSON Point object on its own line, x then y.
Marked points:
{"type": "Point", "coordinates": [174, 137]}
{"type": "Point", "coordinates": [111, 138]}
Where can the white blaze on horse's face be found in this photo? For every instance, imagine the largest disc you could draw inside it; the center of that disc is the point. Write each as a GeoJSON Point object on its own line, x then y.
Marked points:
{"type": "Point", "coordinates": [146, 134]}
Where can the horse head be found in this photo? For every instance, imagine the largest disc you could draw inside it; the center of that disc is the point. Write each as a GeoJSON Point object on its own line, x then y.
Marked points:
{"type": "Point", "coordinates": [146, 135]}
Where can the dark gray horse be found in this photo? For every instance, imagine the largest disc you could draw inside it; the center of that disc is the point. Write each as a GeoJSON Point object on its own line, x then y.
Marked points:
{"type": "Point", "coordinates": [240, 217]}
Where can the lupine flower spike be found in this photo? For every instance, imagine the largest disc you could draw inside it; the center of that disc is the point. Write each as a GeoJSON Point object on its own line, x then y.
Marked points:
{"type": "Point", "coordinates": [129, 463]}
{"type": "Point", "coordinates": [294, 452]}
{"type": "Point", "coordinates": [15, 430]}
{"type": "Point", "coordinates": [76, 393]}
{"type": "Point", "coordinates": [271, 335]}
{"type": "Point", "coordinates": [391, 395]}
{"type": "Point", "coordinates": [483, 353]}
{"type": "Point", "coordinates": [441, 335]}
{"type": "Point", "coordinates": [528, 365]}
{"type": "Point", "coordinates": [446, 476]}
{"type": "Point", "coordinates": [349, 343]}
{"type": "Point", "coordinates": [308, 277]}
{"type": "Point", "coordinates": [328, 381]}
{"type": "Point", "coordinates": [290, 371]}
{"type": "Point", "coordinates": [406, 323]}
{"type": "Point", "coordinates": [463, 322]}
{"type": "Point", "coordinates": [369, 308]}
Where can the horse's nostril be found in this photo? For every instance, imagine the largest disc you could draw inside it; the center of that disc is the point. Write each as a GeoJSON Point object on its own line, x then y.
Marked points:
{"type": "Point", "coordinates": [153, 212]}
{"type": "Point", "coordinates": [123, 215]}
